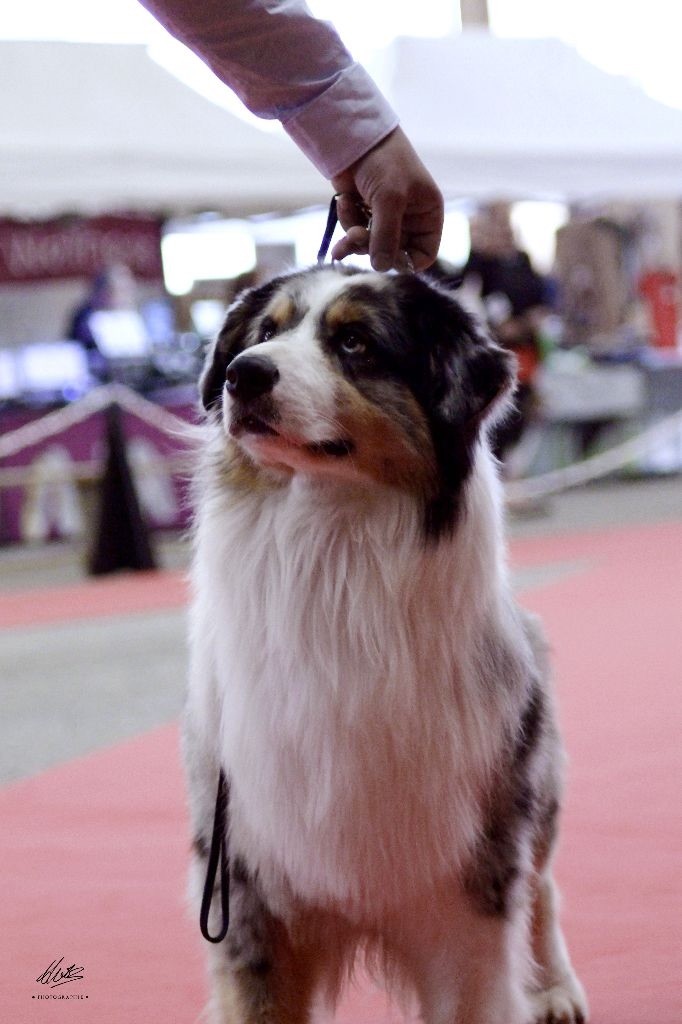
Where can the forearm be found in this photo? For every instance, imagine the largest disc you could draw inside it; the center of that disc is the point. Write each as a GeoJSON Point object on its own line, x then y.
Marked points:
{"type": "Point", "coordinates": [285, 64]}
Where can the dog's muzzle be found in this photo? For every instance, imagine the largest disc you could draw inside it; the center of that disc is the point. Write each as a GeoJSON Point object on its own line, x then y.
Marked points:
{"type": "Point", "coordinates": [250, 380]}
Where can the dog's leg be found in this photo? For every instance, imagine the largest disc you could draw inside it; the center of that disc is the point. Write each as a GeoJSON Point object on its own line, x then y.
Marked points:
{"type": "Point", "coordinates": [468, 957]}
{"type": "Point", "coordinates": [473, 968]}
{"type": "Point", "coordinates": [560, 998]}
{"type": "Point", "coordinates": [557, 997]}
{"type": "Point", "coordinates": [493, 971]}
{"type": "Point", "coordinates": [258, 975]}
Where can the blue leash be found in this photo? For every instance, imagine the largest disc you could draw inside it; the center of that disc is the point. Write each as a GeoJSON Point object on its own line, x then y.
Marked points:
{"type": "Point", "coordinates": [332, 221]}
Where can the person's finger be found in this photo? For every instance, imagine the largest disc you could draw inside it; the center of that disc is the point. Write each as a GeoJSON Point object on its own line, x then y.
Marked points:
{"type": "Point", "coordinates": [351, 210]}
{"type": "Point", "coordinates": [354, 243]}
{"type": "Point", "coordinates": [388, 208]}
{"type": "Point", "coordinates": [423, 249]}
{"type": "Point", "coordinates": [422, 234]}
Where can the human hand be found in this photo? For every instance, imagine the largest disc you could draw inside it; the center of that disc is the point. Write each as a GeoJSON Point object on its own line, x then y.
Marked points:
{"type": "Point", "coordinates": [405, 203]}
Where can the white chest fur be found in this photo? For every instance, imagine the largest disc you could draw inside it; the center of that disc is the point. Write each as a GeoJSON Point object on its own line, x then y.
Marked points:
{"type": "Point", "coordinates": [346, 657]}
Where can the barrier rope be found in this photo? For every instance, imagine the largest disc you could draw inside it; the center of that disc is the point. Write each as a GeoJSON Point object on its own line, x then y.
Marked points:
{"type": "Point", "coordinates": [96, 401]}
{"type": "Point", "coordinates": [595, 466]}
{"type": "Point", "coordinates": [517, 491]}
{"type": "Point", "coordinates": [55, 422]}
{"type": "Point", "coordinates": [155, 415]}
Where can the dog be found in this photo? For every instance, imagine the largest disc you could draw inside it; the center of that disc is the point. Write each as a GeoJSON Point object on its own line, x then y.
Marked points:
{"type": "Point", "coordinates": [379, 705]}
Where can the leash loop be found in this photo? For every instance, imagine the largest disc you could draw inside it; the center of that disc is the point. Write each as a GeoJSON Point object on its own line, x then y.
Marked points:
{"type": "Point", "coordinates": [218, 858]}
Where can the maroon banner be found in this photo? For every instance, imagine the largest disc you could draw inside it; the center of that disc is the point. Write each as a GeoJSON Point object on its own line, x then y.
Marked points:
{"type": "Point", "coordinates": [78, 247]}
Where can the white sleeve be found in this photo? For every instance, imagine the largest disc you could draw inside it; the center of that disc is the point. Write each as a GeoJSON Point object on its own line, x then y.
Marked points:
{"type": "Point", "coordinates": [283, 63]}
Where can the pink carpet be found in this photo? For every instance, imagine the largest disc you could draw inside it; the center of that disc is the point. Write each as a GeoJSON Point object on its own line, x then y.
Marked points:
{"type": "Point", "coordinates": [94, 851]}
{"type": "Point", "coordinates": [96, 598]}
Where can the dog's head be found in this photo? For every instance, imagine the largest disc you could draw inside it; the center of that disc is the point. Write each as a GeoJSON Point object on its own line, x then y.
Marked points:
{"type": "Point", "coordinates": [352, 374]}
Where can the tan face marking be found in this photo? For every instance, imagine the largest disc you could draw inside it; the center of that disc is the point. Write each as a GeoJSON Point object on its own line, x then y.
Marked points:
{"type": "Point", "coordinates": [282, 309]}
{"type": "Point", "coordinates": [384, 449]}
{"type": "Point", "coordinates": [344, 310]}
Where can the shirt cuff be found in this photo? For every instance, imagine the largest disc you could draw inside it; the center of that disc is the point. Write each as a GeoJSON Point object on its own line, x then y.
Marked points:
{"type": "Point", "coordinates": [343, 123]}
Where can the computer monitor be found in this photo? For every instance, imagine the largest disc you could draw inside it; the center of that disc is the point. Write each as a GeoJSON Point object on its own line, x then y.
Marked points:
{"type": "Point", "coordinates": [120, 334]}
{"type": "Point", "coordinates": [52, 368]}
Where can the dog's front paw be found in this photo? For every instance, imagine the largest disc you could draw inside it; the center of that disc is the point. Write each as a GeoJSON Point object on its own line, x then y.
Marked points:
{"type": "Point", "coordinates": [563, 1003]}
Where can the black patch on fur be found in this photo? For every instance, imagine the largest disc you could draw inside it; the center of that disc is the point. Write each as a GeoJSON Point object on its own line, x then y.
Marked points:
{"type": "Point", "coordinates": [531, 725]}
{"type": "Point", "coordinates": [260, 967]}
{"type": "Point", "coordinates": [201, 846]}
{"type": "Point", "coordinates": [239, 872]}
{"type": "Point", "coordinates": [249, 940]}
{"type": "Point", "coordinates": [546, 830]}
{"type": "Point", "coordinates": [495, 867]}
{"type": "Point", "coordinates": [515, 808]}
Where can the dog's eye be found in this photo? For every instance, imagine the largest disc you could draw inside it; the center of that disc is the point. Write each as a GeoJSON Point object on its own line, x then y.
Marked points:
{"type": "Point", "coordinates": [267, 330]}
{"type": "Point", "coordinates": [353, 344]}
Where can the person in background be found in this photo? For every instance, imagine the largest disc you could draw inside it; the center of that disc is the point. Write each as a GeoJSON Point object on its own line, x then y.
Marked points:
{"type": "Point", "coordinates": [502, 268]}
{"type": "Point", "coordinates": [285, 64]}
{"type": "Point", "coordinates": [112, 289]}
{"type": "Point", "coordinates": [515, 298]}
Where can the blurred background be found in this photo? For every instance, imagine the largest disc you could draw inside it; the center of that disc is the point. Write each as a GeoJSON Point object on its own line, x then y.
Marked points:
{"type": "Point", "coordinates": [137, 199]}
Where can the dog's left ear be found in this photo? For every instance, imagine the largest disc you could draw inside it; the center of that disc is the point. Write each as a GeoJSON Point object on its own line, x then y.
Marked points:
{"type": "Point", "coordinates": [471, 378]}
{"type": "Point", "coordinates": [472, 374]}
{"type": "Point", "coordinates": [491, 373]}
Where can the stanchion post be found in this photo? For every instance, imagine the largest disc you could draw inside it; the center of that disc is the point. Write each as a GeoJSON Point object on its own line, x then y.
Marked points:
{"type": "Point", "coordinates": [122, 539]}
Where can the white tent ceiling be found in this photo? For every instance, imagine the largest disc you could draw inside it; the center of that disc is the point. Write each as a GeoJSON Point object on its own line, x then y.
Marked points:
{"type": "Point", "coordinates": [93, 127]}
{"type": "Point", "coordinates": [530, 118]}
{"type": "Point", "coordinates": [89, 127]}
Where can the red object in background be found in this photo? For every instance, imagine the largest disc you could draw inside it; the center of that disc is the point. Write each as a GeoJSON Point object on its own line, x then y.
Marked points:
{"type": "Point", "coordinates": [659, 290]}
{"type": "Point", "coordinates": [527, 362]}
{"type": "Point", "coordinates": [75, 247]}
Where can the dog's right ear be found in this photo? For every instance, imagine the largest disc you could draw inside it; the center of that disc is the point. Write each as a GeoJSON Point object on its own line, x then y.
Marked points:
{"type": "Point", "coordinates": [233, 339]}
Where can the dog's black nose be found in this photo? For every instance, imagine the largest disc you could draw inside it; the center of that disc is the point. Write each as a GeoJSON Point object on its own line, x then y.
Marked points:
{"type": "Point", "coordinates": [251, 375]}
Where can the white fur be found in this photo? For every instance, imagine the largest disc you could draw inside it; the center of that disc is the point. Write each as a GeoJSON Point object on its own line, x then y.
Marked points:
{"type": "Point", "coordinates": [330, 609]}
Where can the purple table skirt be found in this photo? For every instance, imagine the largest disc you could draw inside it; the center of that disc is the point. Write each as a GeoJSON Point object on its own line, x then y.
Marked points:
{"type": "Point", "coordinates": [52, 503]}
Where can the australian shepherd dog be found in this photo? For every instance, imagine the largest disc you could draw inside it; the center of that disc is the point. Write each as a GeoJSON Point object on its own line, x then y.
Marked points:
{"type": "Point", "coordinates": [360, 672]}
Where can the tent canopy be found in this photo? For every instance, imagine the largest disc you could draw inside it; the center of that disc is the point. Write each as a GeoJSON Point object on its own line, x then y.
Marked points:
{"type": "Point", "coordinates": [88, 127]}
{"type": "Point", "coordinates": [530, 118]}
